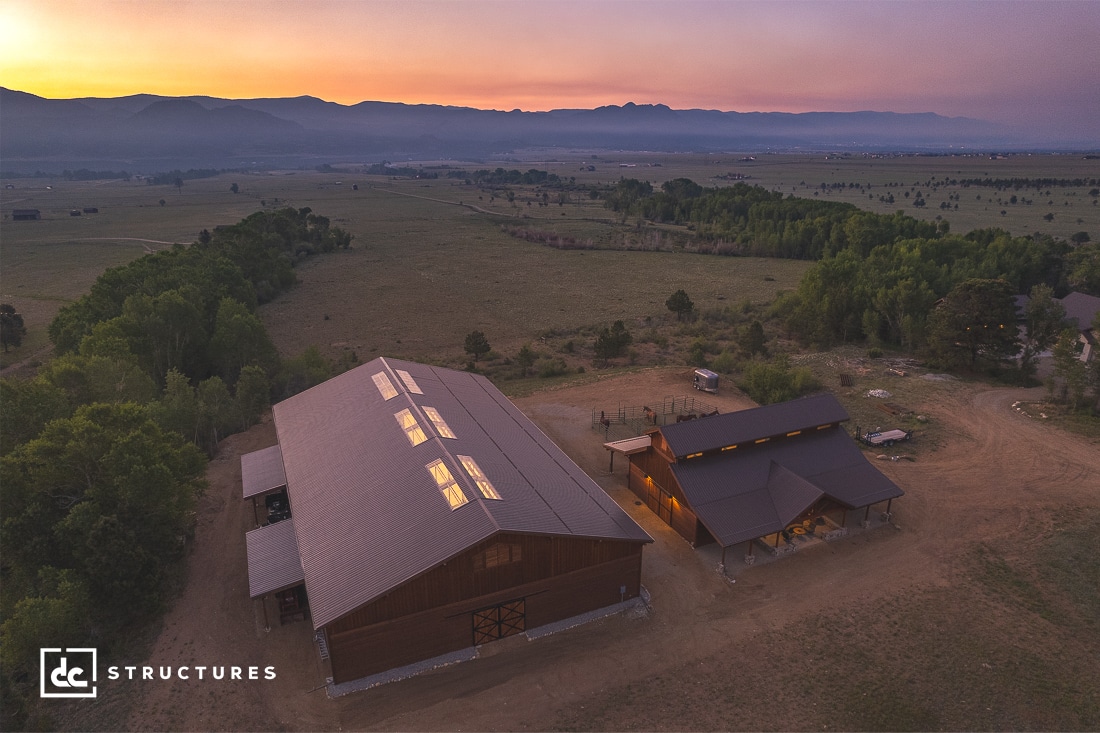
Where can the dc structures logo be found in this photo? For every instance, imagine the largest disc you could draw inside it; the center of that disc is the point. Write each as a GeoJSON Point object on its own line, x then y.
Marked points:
{"type": "Point", "coordinates": [67, 672]}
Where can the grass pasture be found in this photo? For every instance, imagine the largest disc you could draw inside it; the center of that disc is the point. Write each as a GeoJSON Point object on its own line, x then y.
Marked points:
{"type": "Point", "coordinates": [802, 175]}
{"type": "Point", "coordinates": [431, 260]}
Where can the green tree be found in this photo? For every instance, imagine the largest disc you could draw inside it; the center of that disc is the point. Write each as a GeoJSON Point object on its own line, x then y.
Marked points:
{"type": "Point", "coordinates": [253, 395]}
{"type": "Point", "coordinates": [109, 483]}
{"type": "Point", "coordinates": [235, 188]}
{"type": "Point", "coordinates": [612, 342]}
{"type": "Point", "coordinates": [753, 340]}
{"type": "Point", "coordinates": [976, 320]}
{"type": "Point", "coordinates": [477, 345]}
{"type": "Point", "coordinates": [177, 410]}
{"type": "Point", "coordinates": [525, 359]}
{"type": "Point", "coordinates": [680, 304]}
{"type": "Point", "coordinates": [240, 340]}
{"type": "Point", "coordinates": [25, 408]}
{"type": "Point", "coordinates": [775, 381]}
{"type": "Point", "coordinates": [1043, 318]}
{"type": "Point", "coordinates": [12, 329]}
{"type": "Point", "coordinates": [1069, 368]}
{"type": "Point", "coordinates": [301, 372]}
{"type": "Point", "coordinates": [216, 413]}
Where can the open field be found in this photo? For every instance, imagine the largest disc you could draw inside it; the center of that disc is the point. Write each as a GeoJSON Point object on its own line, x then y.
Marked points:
{"type": "Point", "coordinates": [431, 260]}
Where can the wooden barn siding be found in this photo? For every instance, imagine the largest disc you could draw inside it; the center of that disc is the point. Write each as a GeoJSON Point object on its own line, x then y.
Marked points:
{"type": "Point", "coordinates": [457, 580]}
{"type": "Point", "coordinates": [679, 516]}
{"type": "Point", "coordinates": [396, 642]}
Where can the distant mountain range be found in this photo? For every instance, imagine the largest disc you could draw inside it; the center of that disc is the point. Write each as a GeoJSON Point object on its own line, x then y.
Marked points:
{"type": "Point", "coordinates": [145, 132]}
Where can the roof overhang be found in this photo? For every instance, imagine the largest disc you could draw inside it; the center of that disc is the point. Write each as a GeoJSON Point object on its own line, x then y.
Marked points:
{"type": "Point", "coordinates": [262, 471]}
{"type": "Point", "coordinates": [630, 446]}
{"type": "Point", "coordinates": [273, 560]}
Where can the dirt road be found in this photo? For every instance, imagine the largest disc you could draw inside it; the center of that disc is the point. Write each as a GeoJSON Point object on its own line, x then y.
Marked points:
{"type": "Point", "coordinates": [998, 479]}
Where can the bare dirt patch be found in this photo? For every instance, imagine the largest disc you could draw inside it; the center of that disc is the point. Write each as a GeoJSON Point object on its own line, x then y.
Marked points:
{"type": "Point", "coordinates": [952, 620]}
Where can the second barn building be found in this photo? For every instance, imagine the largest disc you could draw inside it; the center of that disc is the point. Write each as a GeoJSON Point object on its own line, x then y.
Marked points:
{"type": "Point", "coordinates": [756, 477]}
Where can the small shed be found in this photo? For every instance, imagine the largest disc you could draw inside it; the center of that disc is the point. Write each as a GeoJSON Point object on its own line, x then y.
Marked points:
{"type": "Point", "coordinates": [26, 214]}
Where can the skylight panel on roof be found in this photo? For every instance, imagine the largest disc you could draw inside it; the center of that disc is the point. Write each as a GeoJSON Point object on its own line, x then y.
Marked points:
{"type": "Point", "coordinates": [409, 381]}
{"type": "Point", "coordinates": [437, 420]}
{"type": "Point", "coordinates": [483, 484]}
{"type": "Point", "coordinates": [385, 386]}
{"type": "Point", "coordinates": [447, 484]}
{"type": "Point", "coordinates": [411, 427]}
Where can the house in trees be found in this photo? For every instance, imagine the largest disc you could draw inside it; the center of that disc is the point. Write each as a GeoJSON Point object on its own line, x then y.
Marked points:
{"type": "Point", "coordinates": [418, 514]}
{"type": "Point", "coordinates": [757, 478]}
{"type": "Point", "coordinates": [1081, 310]}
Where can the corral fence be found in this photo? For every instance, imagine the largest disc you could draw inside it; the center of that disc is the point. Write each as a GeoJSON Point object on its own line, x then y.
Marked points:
{"type": "Point", "coordinates": [631, 421]}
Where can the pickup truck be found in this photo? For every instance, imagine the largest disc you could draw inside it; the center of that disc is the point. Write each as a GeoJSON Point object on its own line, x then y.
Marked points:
{"type": "Point", "coordinates": [888, 437]}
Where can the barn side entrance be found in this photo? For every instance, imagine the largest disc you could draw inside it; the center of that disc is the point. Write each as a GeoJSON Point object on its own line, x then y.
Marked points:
{"type": "Point", "coordinates": [500, 621]}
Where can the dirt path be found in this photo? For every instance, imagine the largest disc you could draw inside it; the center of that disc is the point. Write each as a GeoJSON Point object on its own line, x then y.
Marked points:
{"type": "Point", "coordinates": [999, 473]}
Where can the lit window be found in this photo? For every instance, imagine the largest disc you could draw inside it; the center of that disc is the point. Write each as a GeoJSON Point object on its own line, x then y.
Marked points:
{"type": "Point", "coordinates": [479, 477]}
{"type": "Point", "coordinates": [409, 381]}
{"type": "Point", "coordinates": [447, 484]}
{"type": "Point", "coordinates": [385, 386]}
{"type": "Point", "coordinates": [437, 420]}
{"type": "Point", "coordinates": [411, 427]}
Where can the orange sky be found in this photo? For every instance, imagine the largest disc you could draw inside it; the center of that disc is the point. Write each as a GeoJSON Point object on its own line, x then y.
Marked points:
{"type": "Point", "coordinates": [1011, 61]}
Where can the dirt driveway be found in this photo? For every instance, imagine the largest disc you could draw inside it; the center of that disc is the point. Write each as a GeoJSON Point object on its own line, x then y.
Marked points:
{"type": "Point", "coordinates": [999, 473]}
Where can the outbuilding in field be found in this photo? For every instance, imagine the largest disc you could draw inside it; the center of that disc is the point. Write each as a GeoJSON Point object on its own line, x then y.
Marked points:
{"type": "Point", "coordinates": [26, 214]}
{"type": "Point", "coordinates": [427, 516]}
{"type": "Point", "coordinates": [757, 476]}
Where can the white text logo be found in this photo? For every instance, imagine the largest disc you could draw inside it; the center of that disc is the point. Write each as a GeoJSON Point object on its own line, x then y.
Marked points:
{"type": "Point", "coordinates": [67, 672]}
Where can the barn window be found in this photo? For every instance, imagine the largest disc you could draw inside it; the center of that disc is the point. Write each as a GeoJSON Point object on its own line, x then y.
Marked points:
{"type": "Point", "coordinates": [502, 553]}
{"type": "Point", "coordinates": [409, 381]}
{"type": "Point", "coordinates": [411, 427]}
{"type": "Point", "coordinates": [385, 386]}
{"type": "Point", "coordinates": [479, 477]}
{"type": "Point", "coordinates": [447, 484]}
{"type": "Point", "coordinates": [437, 420]}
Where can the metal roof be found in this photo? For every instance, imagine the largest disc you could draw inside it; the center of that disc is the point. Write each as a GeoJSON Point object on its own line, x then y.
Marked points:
{"type": "Point", "coordinates": [1081, 308]}
{"type": "Point", "coordinates": [759, 489]}
{"type": "Point", "coordinates": [368, 514]}
{"type": "Point", "coordinates": [262, 471]}
{"type": "Point", "coordinates": [732, 428]}
{"type": "Point", "coordinates": [273, 561]}
{"type": "Point", "coordinates": [630, 445]}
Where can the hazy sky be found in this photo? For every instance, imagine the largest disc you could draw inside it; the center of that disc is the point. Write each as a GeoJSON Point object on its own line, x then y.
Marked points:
{"type": "Point", "coordinates": [1014, 61]}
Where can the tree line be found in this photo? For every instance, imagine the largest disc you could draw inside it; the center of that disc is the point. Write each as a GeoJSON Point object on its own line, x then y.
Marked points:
{"type": "Point", "coordinates": [102, 452]}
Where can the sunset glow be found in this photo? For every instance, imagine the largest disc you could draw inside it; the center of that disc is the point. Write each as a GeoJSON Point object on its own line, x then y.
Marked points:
{"type": "Point", "coordinates": [1013, 62]}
